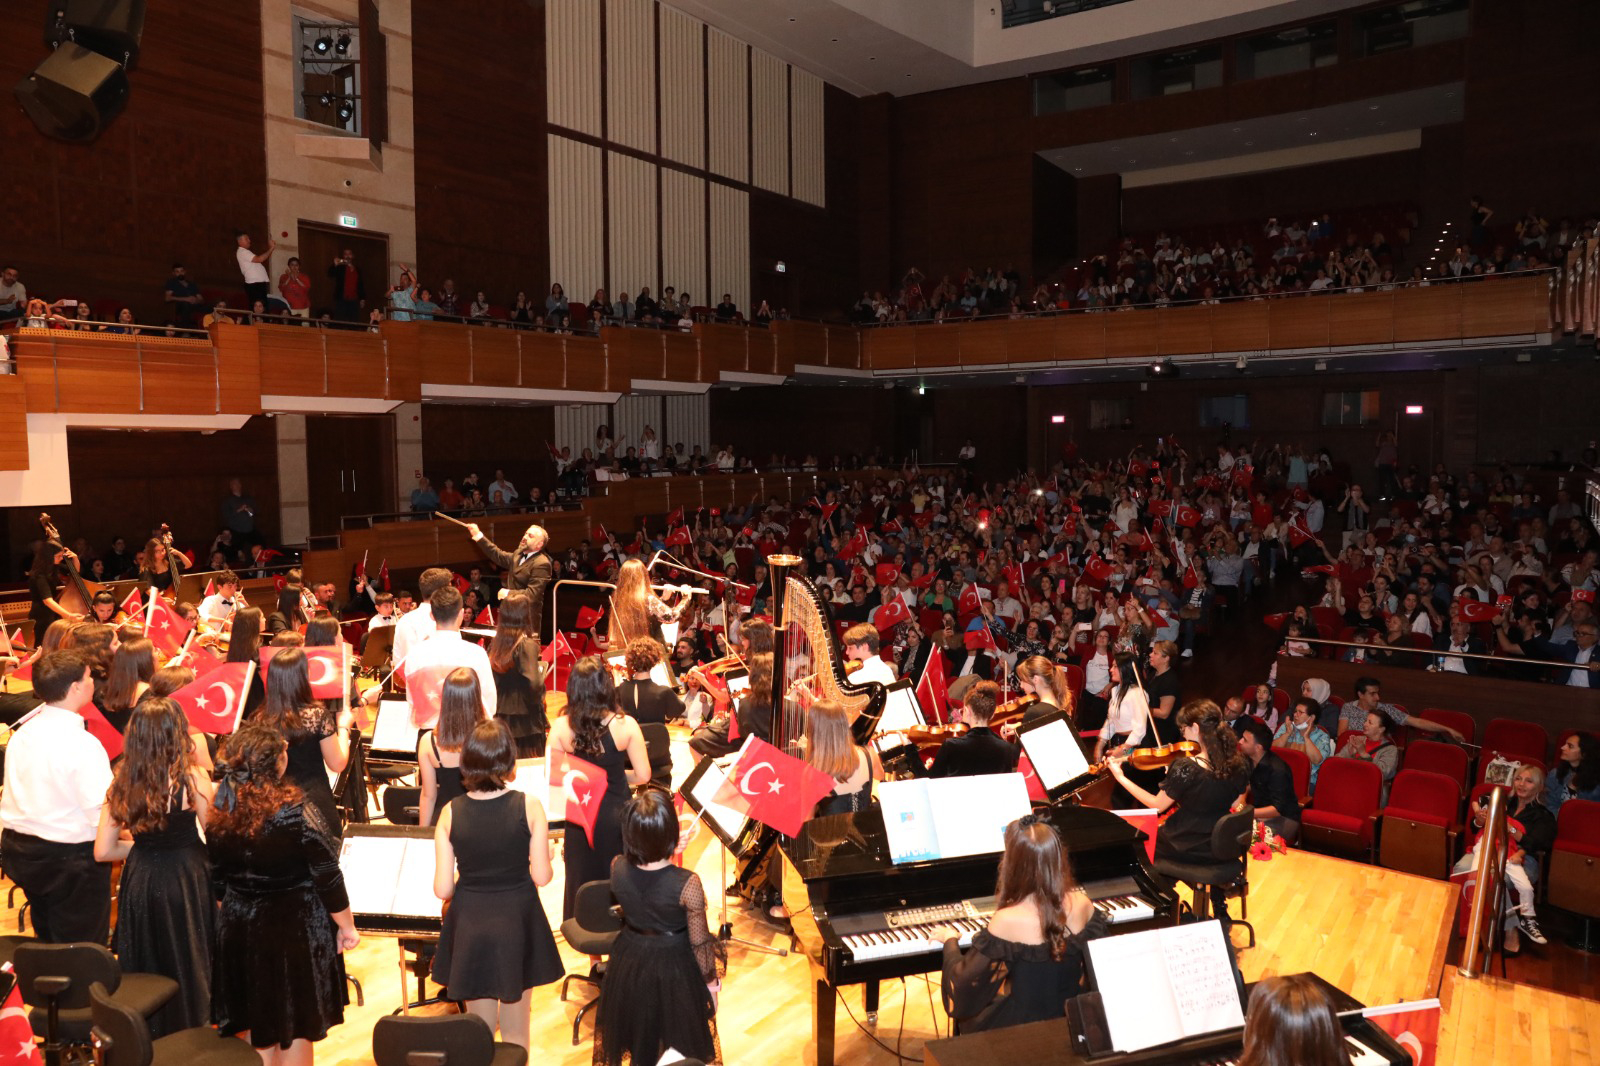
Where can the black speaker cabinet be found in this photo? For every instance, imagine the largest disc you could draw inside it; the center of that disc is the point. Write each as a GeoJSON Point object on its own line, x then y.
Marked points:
{"type": "Point", "coordinates": [74, 93]}
{"type": "Point", "coordinates": [110, 27]}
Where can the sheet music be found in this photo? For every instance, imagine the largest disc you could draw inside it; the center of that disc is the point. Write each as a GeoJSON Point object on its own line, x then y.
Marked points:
{"type": "Point", "coordinates": [1054, 750]}
{"type": "Point", "coordinates": [901, 710]}
{"type": "Point", "coordinates": [947, 818]}
{"type": "Point", "coordinates": [390, 875]}
{"type": "Point", "coordinates": [394, 730]}
{"type": "Point", "coordinates": [413, 896]}
{"type": "Point", "coordinates": [908, 820]}
{"type": "Point", "coordinates": [1165, 984]}
{"type": "Point", "coordinates": [1201, 977]}
{"type": "Point", "coordinates": [728, 820]}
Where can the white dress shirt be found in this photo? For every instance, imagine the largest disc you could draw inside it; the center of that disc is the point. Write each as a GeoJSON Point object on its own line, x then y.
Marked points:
{"type": "Point", "coordinates": [875, 668]}
{"type": "Point", "coordinates": [445, 647]}
{"type": "Point", "coordinates": [215, 609]}
{"type": "Point", "coordinates": [415, 626]}
{"type": "Point", "coordinates": [1454, 664]}
{"type": "Point", "coordinates": [1580, 676]}
{"type": "Point", "coordinates": [1129, 715]}
{"type": "Point", "coordinates": [56, 778]}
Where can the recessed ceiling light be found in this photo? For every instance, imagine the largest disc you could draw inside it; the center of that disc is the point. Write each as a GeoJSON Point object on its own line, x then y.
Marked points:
{"type": "Point", "coordinates": [908, 75]}
{"type": "Point", "coordinates": [1077, 170]}
{"type": "Point", "coordinates": [1190, 152]}
{"type": "Point", "coordinates": [791, 20]}
{"type": "Point", "coordinates": [1313, 133]}
{"type": "Point", "coordinates": [1373, 107]}
{"type": "Point", "coordinates": [835, 40]}
{"type": "Point", "coordinates": [1238, 129]}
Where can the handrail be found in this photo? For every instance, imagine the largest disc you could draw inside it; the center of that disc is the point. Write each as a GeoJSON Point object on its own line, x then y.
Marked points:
{"type": "Point", "coordinates": [367, 521]}
{"type": "Point", "coordinates": [1436, 653]}
{"type": "Point", "coordinates": [1489, 899]}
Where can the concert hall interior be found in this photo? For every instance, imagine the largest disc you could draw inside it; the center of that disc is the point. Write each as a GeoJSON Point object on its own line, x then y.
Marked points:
{"type": "Point", "coordinates": [955, 530]}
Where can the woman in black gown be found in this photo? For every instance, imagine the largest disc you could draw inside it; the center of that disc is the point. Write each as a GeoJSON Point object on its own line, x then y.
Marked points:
{"type": "Point", "coordinates": [518, 678]}
{"type": "Point", "coordinates": [666, 967]}
{"type": "Point", "coordinates": [244, 646]}
{"type": "Point", "coordinates": [596, 732]}
{"type": "Point", "coordinates": [284, 922]}
{"type": "Point", "coordinates": [165, 915]}
{"type": "Point", "coordinates": [318, 737]}
{"type": "Point", "coordinates": [492, 853]}
{"type": "Point", "coordinates": [439, 749]}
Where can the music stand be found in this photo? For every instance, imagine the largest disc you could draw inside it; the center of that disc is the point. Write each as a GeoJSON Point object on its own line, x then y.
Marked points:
{"type": "Point", "coordinates": [380, 645]}
{"type": "Point", "coordinates": [374, 859]}
{"type": "Point", "coordinates": [729, 827]}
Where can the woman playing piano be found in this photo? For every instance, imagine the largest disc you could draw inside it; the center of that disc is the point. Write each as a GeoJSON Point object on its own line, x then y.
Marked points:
{"type": "Point", "coordinates": [1029, 960]}
{"type": "Point", "coordinates": [1291, 1022]}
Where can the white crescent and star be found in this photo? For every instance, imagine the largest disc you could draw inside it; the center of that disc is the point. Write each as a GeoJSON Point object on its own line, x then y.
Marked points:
{"type": "Point", "coordinates": [570, 791]}
{"type": "Point", "coordinates": [203, 699]}
{"type": "Point", "coordinates": [774, 786]}
{"type": "Point", "coordinates": [326, 670]}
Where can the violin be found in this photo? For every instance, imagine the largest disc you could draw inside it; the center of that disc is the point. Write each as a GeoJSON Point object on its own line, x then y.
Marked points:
{"type": "Point", "coordinates": [1159, 757]}
{"type": "Point", "coordinates": [76, 587]}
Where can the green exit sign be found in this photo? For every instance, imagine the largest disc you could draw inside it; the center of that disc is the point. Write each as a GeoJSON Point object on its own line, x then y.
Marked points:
{"type": "Point", "coordinates": [349, 221]}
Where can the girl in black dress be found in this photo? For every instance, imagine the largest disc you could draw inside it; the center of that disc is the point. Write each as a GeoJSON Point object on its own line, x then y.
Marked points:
{"type": "Point", "coordinates": [244, 646]}
{"type": "Point", "coordinates": [284, 922]}
{"type": "Point", "coordinates": [496, 946]}
{"type": "Point", "coordinates": [439, 748]}
{"type": "Point", "coordinates": [1205, 787]}
{"type": "Point", "coordinates": [518, 677]}
{"type": "Point", "coordinates": [163, 567]}
{"type": "Point", "coordinates": [1028, 961]}
{"type": "Point", "coordinates": [595, 731]}
{"type": "Point", "coordinates": [666, 967]}
{"type": "Point", "coordinates": [318, 738]}
{"type": "Point", "coordinates": [132, 667]}
{"type": "Point", "coordinates": [150, 819]}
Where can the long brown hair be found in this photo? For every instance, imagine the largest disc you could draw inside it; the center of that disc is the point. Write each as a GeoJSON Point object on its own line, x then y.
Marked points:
{"type": "Point", "coordinates": [591, 696]}
{"type": "Point", "coordinates": [92, 640]}
{"type": "Point", "coordinates": [1291, 1022]}
{"type": "Point", "coordinates": [250, 788]}
{"type": "Point", "coordinates": [288, 693]}
{"type": "Point", "coordinates": [1034, 867]}
{"type": "Point", "coordinates": [322, 632]}
{"type": "Point", "coordinates": [167, 680]}
{"type": "Point", "coordinates": [516, 619]}
{"type": "Point", "coordinates": [1218, 741]}
{"type": "Point", "coordinates": [829, 744]}
{"type": "Point", "coordinates": [460, 708]}
{"type": "Point", "coordinates": [1041, 673]}
{"type": "Point", "coordinates": [135, 661]}
{"type": "Point", "coordinates": [153, 773]}
{"type": "Point", "coordinates": [630, 612]}
{"type": "Point", "coordinates": [244, 641]}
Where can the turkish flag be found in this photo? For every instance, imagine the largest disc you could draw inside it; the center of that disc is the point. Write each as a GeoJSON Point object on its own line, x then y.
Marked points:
{"type": "Point", "coordinates": [1013, 575]}
{"type": "Point", "coordinates": [1299, 533]}
{"type": "Point", "coordinates": [922, 582]}
{"type": "Point", "coordinates": [383, 576]}
{"type": "Point", "coordinates": [577, 787]}
{"type": "Point", "coordinates": [827, 511]}
{"type": "Point", "coordinates": [1414, 1026]}
{"type": "Point", "coordinates": [675, 518]}
{"type": "Point", "coordinates": [886, 573]}
{"type": "Point", "coordinates": [1161, 508]}
{"type": "Point", "coordinates": [1578, 595]}
{"type": "Point", "coordinates": [166, 628]}
{"type": "Point", "coordinates": [325, 666]}
{"type": "Point", "coordinates": [922, 519]}
{"type": "Point", "coordinates": [215, 702]}
{"type": "Point", "coordinates": [933, 688]}
{"type": "Point", "coordinates": [133, 604]}
{"type": "Point", "coordinates": [748, 532]}
{"type": "Point", "coordinates": [102, 730]}
{"type": "Point", "coordinates": [1186, 516]}
{"type": "Point", "coordinates": [201, 660]}
{"type": "Point", "coordinates": [1097, 569]}
{"type": "Point", "coordinates": [858, 575]}
{"type": "Point", "coordinates": [1243, 476]}
{"type": "Point", "coordinates": [1471, 610]}
{"type": "Point", "coordinates": [892, 526]}
{"type": "Point", "coordinates": [1136, 469]}
{"type": "Point", "coordinates": [970, 602]}
{"type": "Point", "coordinates": [461, 583]}
{"type": "Point", "coordinates": [980, 639]}
{"type": "Point", "coordinates": [1069, 526]}
{"type": "Point", "coordinates": [775, 789]}
{"type": "Point", "coordinates": [680, 537]}
{"type": "Point", "coordinates": [1321, 568]}
{"type": "Point", "coordinates": [1036, 790]}
{"type": "Point", "coordinates": [485, 617]}
{"type": "Point", "coordinates": [424, 690]}
{"type": "Point", "coordinates": [1190, 578]}
{"type": "Point", "coordinates": [745, 595]}
{"type": "Point", "coordinates": [16, 1034]}
{"type": "Point", "coordinates": [559, 654]}
{"type": "Point", "coordinates": [211, 587]}
{"type": "Point", "coordinates": [890, 615]}
{"type": "Point", "coordinates": [1261, 515]}
{"type": "Point", "coordinates": [854, 546]}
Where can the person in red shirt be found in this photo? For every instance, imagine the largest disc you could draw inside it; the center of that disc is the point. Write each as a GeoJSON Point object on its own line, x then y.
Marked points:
{"type": "Point", "coordinates": [295, 288]}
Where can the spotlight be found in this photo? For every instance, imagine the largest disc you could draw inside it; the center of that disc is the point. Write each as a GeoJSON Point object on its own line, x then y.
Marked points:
{"type": "Point", "coordinates": [343, 47]}
{"type": "Point", "coordinates": [323, 45]}
{"type": "Point", "coordinates": [347, 110]}
{"type": "Point", "coordinates": [1241, 364]}
{"type": "Point", "coordinates": [1162, 368]}
{"type": "Point", "coordinates": [326, 99]}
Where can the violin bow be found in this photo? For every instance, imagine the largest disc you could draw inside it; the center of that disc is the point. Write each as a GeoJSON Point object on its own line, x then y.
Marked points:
{"type": "Point", "coordinates": [1149, 716]}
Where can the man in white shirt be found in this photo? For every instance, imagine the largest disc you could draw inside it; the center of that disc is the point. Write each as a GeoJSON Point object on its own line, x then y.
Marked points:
{"type": "Point", "coordinates": [257, 283]}
{"type": "Point", "coordinates": [56, 779]}
{"type": "Point", "coordinates": [861, 643]}
{"type": "Point", "coordinates": [416, 625]}
{"type": "Point", "coordinates": [1007, 606]}
{"type": "Point", "coordinates": [507, 491]}
{"type": "Point", "coordinates": [444, 651]}
{"type": "Point", "coordinates": [219, 607]}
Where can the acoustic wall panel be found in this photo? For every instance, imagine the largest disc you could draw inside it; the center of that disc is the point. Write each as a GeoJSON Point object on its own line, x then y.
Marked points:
{"type": "Point", "coordinates": [728, 93]}
{"type": "Point", "coordinates": [577, 222]}
{"type": "Point", "coordinates": [631, 73]}
{"type": "Point", "coordinates": [572, 64]}
{"type": "Point", "coordinates": [687, 422]}
{"type": "Point", "coordinates": [630, 414]}
{"type": "Point", "coordinates": [633, 223]}
{"type": "Point", "coordinates": [576, 425]}
{"type": "Point", "coordinates": [683, 88]}
{"type": "Point", "coordinates": [683, 235]}
{"type": "Point", "coordinates": [769, 122]}
{"type": "Point", "coordinates": [808, 176]}
{"type": "Point", "coordinates": [730, 244]}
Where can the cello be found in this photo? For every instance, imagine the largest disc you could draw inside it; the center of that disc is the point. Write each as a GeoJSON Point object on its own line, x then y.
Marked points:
{"type": "Point", "coordinates": [76, 595]}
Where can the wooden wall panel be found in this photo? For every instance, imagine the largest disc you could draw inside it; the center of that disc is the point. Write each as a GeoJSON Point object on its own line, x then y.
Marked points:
{"type": "Point", "coordinates": [844, 347]}
{"type": "Point", "coordinates": [479, 127]}
{"type": "Point", "coordinates": [1031, 340]}
{"type": "Point", "coordinates": [889, 349]}
{"type": "Point", "coordinates": [1300, 323]}
{"type": "Point", "coordinates": [980, 344]}
{"type": "Point", "coordinates": [1428, 314]}
{"type": "Point", "coordinates": [728, 89]}
{"type": "Point", "coordinates": [633, 225]}
{"type": "Point", "coordinates": [573, 77]}
{"type": "Point", "coordinates": [721, 348]}
{"type": "Point", "coordinates": [105, 221]}
{"type": "Point", "coordinates": [544, 361]}
{"type": "Point", "coordinates": [683, 87]}
{"type": "Point", "coordinates": [1510, 307]}
{"type": "Point", "coordinates": [1361, 318]}
{"type": "Point", "coordinates": [587, 368]}
{"type": "Point", "coordinates": [680, 357]}
{"type": "Point", "coordinates": [1239, 327]}
{"type": "Point", "coordinates": [630, 33]}
{"type": "Point", "coordinates": [577, 217]}
{"type": "Point", "coordinates": [1080, 336]}
{"type": "Point", "coordinates": [1184, 330]}
{"type": "Point", "coordinates": [13, 423]}
{"type": "Point", "coordinates": [495, 357]}
{"type": "Point", "coordinates": [1130, 335]}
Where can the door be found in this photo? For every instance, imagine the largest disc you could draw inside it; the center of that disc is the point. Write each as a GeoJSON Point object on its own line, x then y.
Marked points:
{"type": "Point", "coordinates": [320, 245]}
{"type": "Point", "coordinates": [349, 468]}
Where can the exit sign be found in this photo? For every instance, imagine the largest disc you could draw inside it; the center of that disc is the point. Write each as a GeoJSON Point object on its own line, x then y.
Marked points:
{"type": "Point", "coordinates": [349, 221]}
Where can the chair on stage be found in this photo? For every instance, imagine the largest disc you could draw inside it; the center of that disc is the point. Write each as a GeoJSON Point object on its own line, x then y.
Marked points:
{"type": "Point", "coordinates": [1300, 770]}
{"type": "Point", "coordinates": [1345, 809]}
{"type": "Point", "coordinates": [1439, 758]}
{"type": "Point", "coordinates": [1574, 872]}
{"type": "Point", "coordinates": [55, 979]}
{"type": "Point", "coordinates": [1524, 741]}
{"type": "Point", "coordinates": [442, 1040]}
{"type": "Point", "coordinates": [591, 930]}
{"type": "Point", "coordinates": [1418, 829]}
{"type": "Point", "coordinates": [1230, 843]}
{"type": "Point", "coordinates": [121, 1037]}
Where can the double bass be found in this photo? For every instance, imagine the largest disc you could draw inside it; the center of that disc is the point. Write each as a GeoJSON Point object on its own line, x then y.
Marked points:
{"type": "Point", "coordinates": [77, 595]}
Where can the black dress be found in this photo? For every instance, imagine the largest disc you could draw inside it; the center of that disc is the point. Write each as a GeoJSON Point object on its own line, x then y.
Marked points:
{"type": "Point", "coordinates": [496, 941]}
{"type": "Point", "coordinates": [306, 768]}
{"type": "Point", "coordinates": [277, 970]}
{"type": "Point", "coordinates": [165, 919]}
{"type": "Point", "coordinates": [997, 983]}
{"type": "Point", "coordinates": [586, 862]}
{"type": "Point", "coordinates": [1203, 798]}
{"type": "Point", "coordinates": [447, 778]}
{"type": "Point", "coordinates": [520, 700]}
{"type": "Point", "coordinates": [663, 959]}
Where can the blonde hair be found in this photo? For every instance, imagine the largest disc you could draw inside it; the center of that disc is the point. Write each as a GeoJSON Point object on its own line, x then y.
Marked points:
{"type": "Point", "coordinates": [1040, 672]}
{"type": "Point", "coordinates": [829, 744]}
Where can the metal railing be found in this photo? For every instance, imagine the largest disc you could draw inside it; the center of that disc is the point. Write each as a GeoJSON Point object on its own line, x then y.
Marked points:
{"type": "Point", "coordinates": [1488, 901]}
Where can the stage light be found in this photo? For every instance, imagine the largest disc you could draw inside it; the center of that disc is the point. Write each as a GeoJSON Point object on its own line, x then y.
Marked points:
{"type": "Point", "coordinates": [343, 47]}
{"type": "Point", "coordinates": [323, 45]}
{"type": "Point", "coordinates": [83, 83]}
{"type": "Point", "coordinates": [347, 110]}
{"type": "Point", "coordinates": [326, 100]}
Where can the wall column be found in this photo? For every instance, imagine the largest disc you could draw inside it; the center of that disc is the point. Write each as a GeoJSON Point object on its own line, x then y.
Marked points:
{"type": "Point", "coordinates": [294, 495]}
{"type": "Point", "coordinates": [407, 453]}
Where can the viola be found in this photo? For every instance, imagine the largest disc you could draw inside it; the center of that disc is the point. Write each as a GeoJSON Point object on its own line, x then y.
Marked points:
{"type": "Point", "coordinates": [1162, 755]}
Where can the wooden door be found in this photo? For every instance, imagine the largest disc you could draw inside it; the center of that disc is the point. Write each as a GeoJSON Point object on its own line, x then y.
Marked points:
{"type": "Point", "coordinates": [320, 245]}
{"type": "Point", "coordinates": [349, 468]}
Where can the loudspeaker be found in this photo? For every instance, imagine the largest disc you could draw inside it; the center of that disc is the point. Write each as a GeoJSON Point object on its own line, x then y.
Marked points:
{"type": "Point", "coordinates": [110, 27]}
{"type": "Point", "coordinates": [73, 93]}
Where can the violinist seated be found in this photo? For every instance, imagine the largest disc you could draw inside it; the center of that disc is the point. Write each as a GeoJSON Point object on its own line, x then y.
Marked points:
{"type": "Point", "coordinates": [217, 609]}
{"type": "Point", "coordinates": [103, 609]}
{"type": "Point", "coordinates": [980, 750]}
{"type": "Point", "coordinates": [861, 643]}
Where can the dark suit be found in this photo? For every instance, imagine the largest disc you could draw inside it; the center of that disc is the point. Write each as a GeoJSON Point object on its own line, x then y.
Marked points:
{"type": "Point", "coordinates": [1568, 653]}
{"type": "Point", "coordinates": [981, 751]}
{"type": "Point", "coordinates": [528, 572]}
{"type": "Point", "coordinates": [1441, 644]}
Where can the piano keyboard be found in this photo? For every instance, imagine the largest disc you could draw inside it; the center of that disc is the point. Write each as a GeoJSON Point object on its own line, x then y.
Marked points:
{"type": "Point", "coordinates": [1119, 900]}
{"type": "Point", "coordinates": [893, 934]}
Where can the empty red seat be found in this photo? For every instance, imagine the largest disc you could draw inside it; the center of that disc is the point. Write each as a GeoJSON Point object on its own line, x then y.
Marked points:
{"type": "Point", "coordinates": [1344, 810]}
{"type": "Point", "coordinates": [1512, 737]}
{"type": "Point", "coordinates": [1574, 878]}
{"type": "Point", "coordinates": [1438, 758]}
{"type": "Point", "coordinates": [1420, 824]}
{"type": "Point", "coordinates": [1300, 769]}
{"type": "Point", "coordinates": [1460, 721]}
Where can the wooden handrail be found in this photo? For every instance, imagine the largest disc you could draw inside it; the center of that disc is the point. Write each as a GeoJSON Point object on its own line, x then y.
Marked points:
{"type": "Point", "coordinates": [1488, 901]}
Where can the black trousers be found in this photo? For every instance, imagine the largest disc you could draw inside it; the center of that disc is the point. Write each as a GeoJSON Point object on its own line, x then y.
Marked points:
{"type": "Point", "coordinates": [69, 894]}
{"type": "Point", "coordinates": [257, 290]}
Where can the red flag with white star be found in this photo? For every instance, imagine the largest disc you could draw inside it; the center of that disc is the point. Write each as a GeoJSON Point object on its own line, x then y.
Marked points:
{"type": "Point", "coordinates": [17, 1046]}
{"type": "Point", "coordinates": [133, 604]}
{"type": "Point", "coordinates": [166, 628]}
{"type": "Point", "coordinates": [774, 788]}
{"type": "Point", "coordinates": [577, 787]}
{"type": "Point", "coordinates": [214, 703]}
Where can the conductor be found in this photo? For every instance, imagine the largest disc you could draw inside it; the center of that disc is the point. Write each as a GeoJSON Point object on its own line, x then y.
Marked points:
{"type": "Point", "coordinates": [528, 568]}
